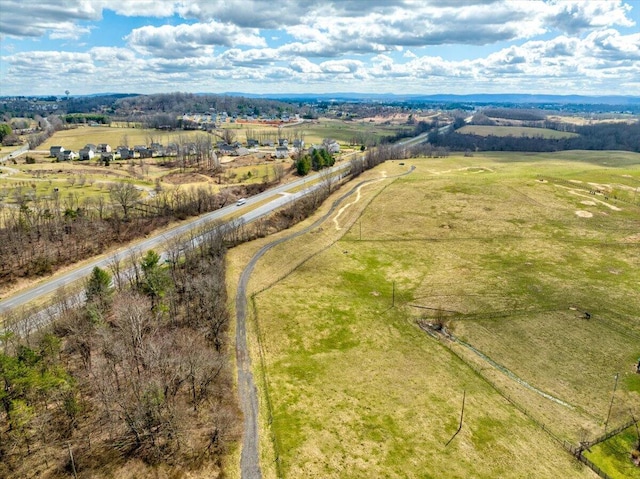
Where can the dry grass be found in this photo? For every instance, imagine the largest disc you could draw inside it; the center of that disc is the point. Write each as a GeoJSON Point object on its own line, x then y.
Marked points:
{"type": "Point", "coordinates": [76, 138]}
{"type": "Point", "coordinates": [483, 130]}
{"type": "Point", "coordinates": [357, 390]}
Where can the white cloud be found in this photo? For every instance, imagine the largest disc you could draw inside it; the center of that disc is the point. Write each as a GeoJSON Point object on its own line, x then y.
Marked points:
{"type": "Point", "coordinates": [327, 43]}
{"type": "Point", "coordinates": [170, 41]}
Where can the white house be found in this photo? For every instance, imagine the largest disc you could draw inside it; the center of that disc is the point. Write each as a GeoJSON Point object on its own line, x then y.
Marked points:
{"type": "Point", "coordinates": [282, 152]}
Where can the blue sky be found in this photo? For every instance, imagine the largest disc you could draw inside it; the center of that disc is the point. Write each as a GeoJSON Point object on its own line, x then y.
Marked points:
{"type": "Point", "coordinates": [301, 46]}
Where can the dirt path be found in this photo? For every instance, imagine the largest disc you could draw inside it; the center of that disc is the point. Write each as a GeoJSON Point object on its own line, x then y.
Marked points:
{"type": "Point", "coordinates": [247, 391]}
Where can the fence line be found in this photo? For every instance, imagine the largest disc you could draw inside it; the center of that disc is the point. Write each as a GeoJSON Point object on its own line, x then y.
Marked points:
{"type": "Point", "coordinates": [610, 434]}
{"type": "Point", "coordinates": [575, 451]}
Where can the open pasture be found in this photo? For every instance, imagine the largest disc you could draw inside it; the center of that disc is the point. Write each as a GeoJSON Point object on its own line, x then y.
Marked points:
{"type": "Point", "coordinates": [345, 132]}
{"type": "Point", "coordinates": [531, 132]}
{"type": "Point", "coordinates": [510, 262]}
{"type": "Point", "coordinates": [76, 138]}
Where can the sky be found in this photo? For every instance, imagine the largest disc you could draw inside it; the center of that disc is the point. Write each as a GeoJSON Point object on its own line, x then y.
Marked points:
{"type": "Point", "coordinates": [587, 47]}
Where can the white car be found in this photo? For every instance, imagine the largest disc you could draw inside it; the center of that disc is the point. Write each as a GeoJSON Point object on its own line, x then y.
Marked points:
{"type": "Point", "coordinates": [241, 202]}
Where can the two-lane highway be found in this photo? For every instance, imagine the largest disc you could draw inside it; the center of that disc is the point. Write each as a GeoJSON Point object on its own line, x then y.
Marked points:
{"type": "Point", "coordinates": [278, 196]}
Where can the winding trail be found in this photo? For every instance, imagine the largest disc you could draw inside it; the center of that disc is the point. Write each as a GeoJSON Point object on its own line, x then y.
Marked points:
{"type": "Point", "coordinates": [247, 391]}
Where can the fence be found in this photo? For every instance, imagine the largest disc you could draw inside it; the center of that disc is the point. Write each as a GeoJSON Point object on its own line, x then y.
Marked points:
{"type": "Point", "coordinates": [575, 451]}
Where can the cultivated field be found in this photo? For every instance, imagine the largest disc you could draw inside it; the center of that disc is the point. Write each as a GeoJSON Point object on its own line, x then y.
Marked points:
{"type": "Point", "coordinates": [530, 132]}
{"type": "Point", "coordinates": [508, 251]}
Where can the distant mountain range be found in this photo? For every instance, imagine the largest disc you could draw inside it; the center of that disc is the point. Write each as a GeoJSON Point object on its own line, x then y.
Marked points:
{"type": "Point", "coordinates": [489, 98]}
{"type": "Point", "coordinates": [477, 98]}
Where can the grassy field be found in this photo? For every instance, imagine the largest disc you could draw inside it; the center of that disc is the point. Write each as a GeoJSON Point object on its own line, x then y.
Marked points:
{"type": "Point", "coordinates": [356, 389]}
{"type": "Point", "coordinates": [76, 138]}
{"type": "Point", "coordinates": [486, 130]}
{"type": "Point", "coordinates": [612, 455]}
{"type": "Point", "coordinates": [313, 132]}
{"type": "Point", "coordinates": [345, 132]}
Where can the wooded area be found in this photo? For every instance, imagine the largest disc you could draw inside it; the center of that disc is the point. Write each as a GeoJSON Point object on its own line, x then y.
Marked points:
{"type": "Point", "coordinates": [141, 370]}
{"type": "Point", "coordinates": [602, 136]}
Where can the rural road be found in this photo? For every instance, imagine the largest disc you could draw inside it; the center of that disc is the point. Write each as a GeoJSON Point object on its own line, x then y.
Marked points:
{"type": "Point", "coordinates": [247, 391]}
{"type": "Point", "coordinates": [278, 196]}
{"type": "Point", "coordinates": [271, 199]}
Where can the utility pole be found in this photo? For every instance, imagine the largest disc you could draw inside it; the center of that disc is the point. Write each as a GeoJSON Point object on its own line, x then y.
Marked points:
{"type": "Point", "coordinates": [615, 385]}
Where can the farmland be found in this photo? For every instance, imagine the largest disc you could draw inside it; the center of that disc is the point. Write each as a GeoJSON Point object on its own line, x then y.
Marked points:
{"type": "Point", "coordinates": [531, 132]}
{"type": "Point", "coordinates": [509, 252]}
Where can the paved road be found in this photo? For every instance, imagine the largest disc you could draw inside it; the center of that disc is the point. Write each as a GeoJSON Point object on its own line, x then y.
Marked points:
{"type": "Point", "coordinates": [278, 196]}
{"type": "Point", "coordinates": [273, 198]}
{"type": "Point", "coordinates": [247, 392]}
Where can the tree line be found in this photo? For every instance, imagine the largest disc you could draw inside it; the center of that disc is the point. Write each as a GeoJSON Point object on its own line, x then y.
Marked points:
{"type": "Point", "coordinates": [602, 136]}
{"type": "Point", "coordinates": [38, 235]}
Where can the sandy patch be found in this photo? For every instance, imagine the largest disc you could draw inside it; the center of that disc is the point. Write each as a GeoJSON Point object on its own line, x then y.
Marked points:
{"type": "Point", "coordinates": [608, 205]}
{"type": "Point", "coordinates": [358, 195]}
{"type": "Point", "coordinates": [588, 203]}
{"type": "Point", "coordinates": [632, 239]}
{"type": "Point", "coordinates": [184, 178]}
{"type": "Point", "coordinates": [584, 214]}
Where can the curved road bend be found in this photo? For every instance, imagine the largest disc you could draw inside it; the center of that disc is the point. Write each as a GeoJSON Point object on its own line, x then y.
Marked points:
{"type": "Point", "coordinates": [247, 392]}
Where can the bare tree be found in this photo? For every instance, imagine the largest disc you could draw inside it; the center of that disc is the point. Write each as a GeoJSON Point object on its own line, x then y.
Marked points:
{"type": "Point", "coordinates": [327, 180]}
{"type": "Point", "coordinates": [278, 172]}
{"type": "Point", "coordinates": [228, 135]}
{"type": "Point", "coordinates": [125, 195]}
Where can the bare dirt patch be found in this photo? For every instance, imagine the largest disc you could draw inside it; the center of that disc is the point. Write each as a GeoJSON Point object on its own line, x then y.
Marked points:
{"type": "Point", "coordinates": [184, 178]}
{"type": "Point", "coordinates": [588, 203]}
{"type": "Point", "coordinates": [584, 214]}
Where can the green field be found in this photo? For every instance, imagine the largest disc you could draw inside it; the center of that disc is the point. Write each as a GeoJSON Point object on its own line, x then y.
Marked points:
{"type": "Point", "coordinates": [76, 138]}
{"type": "Point", "coordinates": [612, 455]}
{"type": "Point", "coordinates": [345, 132]}
{"type": "Point", "coordinates": [356, 389]}
{"type": "Point", "coordinates": [531, 132]}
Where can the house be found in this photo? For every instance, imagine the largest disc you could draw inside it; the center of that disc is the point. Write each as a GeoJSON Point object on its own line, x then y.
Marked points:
{"type": "Point", "coordinates": [331, 146]}
{"type": "Point", "coordinates": [283, 142]}
{"type": "Point", "coordinates": [172, 149]}
{"type": "Point", "coordinates": [251, 143]}
{"type": "Point", "coordinates": [227, 150]}
{"type": "Point", "coordinates": [67, 155]}
{"type": "Point", "coordinates": [145, 153]}
{"type": "Point", "coordinates": [106, 157]}
{"type": "Point", "coordinates": [104, 148]}
{"type": "Point", "coordinates": [158, 149]}
{"type": "Point", "coordinates": [267, 143]}
{"type": "Point", "coordinates": [86, 154]}
{"type": "Point", "coordinates": [125, 152]}
{"type": "Point", "coordinates": [282, 152]}
{"type": "Point", "coordinates": [54, 151]}
{"type": "Point", "coordinates": [298, 144]}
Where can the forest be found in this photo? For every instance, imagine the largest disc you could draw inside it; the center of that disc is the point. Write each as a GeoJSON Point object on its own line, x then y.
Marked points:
{"type": "Point", "coordinates": [602, 136]}
{"type": "Point", "coordinates": [98, 388]}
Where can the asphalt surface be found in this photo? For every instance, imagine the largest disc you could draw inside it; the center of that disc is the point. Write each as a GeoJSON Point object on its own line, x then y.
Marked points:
{"type": "Point", "coordinates": [278, 196]}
